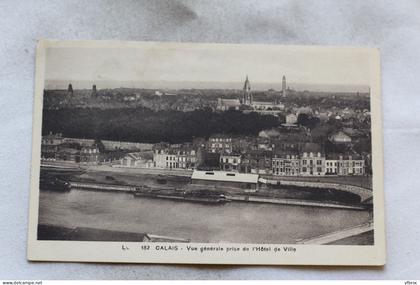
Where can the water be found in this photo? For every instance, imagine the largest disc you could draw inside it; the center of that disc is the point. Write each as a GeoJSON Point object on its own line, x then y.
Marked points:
{"type": "Point", "coordinates": [232, 222]}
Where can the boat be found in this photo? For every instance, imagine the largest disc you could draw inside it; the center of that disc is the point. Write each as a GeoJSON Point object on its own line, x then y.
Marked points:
{"type": "Point", "coordinates": [54, 184]}
{"type": "Point", "coordinates": [161, 180]}
{"type": "Point", "coordinates": [61, 170]}
{"type": "Point", "coordinates": [202, 197]}
{"type": "Point", "coordinates": [220, 199]}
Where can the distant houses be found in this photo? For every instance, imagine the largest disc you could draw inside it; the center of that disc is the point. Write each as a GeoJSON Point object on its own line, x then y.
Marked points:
{"type": "Point", "coordinates": [228, 104]}
{"type": "Point", "coordinates": [230, 162]}
{"type": "Point", "coordinates": [89, 154]}
{"type": "Point", "coordinates": [348, 164]}
{"type": "Point", "coordinates": [136, 160]}
{"type": "Point", "coordinates": [177, 156]}
{"type": "Point", "coordinates": [272, 153]}
{"type": "Point", "coordinates": [56, 148]}
{"type": "Point", "coordinates": [340, 138]}
{"type": "Point", "coordinates": [286, 164]}
{"type": "Point", "coordinates": [220, 143]}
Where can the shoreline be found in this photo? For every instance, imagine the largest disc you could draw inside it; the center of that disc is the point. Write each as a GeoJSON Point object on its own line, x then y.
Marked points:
{"type": "Point", "coordinates": [240, 198]}
{"type": "Point", "coordinates": [121, 179]}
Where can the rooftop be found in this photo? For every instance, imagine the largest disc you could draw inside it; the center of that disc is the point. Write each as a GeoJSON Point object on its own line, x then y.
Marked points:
{"type": "Point", "coordinates": [225, 176]}
{"type": "Point", "coordinates": [345, 156]}
{"type": "Point", "coordinates": [311, 147]}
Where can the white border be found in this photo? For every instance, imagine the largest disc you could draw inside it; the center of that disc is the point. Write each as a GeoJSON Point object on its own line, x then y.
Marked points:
{"type": "Point", "coordinates": [373, 255]}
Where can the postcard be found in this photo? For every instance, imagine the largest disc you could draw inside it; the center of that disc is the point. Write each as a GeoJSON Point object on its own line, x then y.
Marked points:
{"type": "Point", "coordinates": [152, 152]}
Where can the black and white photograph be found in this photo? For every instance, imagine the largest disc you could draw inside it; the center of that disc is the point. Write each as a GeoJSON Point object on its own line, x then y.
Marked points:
{"type": "Point", "coordinates": [183, 144]}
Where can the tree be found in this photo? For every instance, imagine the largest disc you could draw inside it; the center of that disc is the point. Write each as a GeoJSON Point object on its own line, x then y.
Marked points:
{"type": "Point", "coordinates": [307, 121]}
{"type": "Point", "coordinates": [100, 145]}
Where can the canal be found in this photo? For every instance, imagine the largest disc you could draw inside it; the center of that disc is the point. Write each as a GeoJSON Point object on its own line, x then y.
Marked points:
{"type": "Point", "coordinates": [232, 222]}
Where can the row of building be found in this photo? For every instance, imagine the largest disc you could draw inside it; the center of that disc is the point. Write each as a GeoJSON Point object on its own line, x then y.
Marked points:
{"type": "Point", "coordinates": [219, 152]}
{"type": "Point", "coordinates": [290, 164]}
{"type": "Point", "coordinates": [305, 159]}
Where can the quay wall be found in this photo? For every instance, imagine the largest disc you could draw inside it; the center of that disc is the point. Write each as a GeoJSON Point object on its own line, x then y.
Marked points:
{"type": "Point", "coordinates": [233, 197]}
{"type": "Point", "coordinates": [362, 192]}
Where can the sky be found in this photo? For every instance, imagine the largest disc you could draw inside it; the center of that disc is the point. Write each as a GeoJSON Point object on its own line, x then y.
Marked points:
{"type": "Point", "coordinates": [157, 65]}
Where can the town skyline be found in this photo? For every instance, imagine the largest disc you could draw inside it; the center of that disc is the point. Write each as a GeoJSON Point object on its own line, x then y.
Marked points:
{"type": "Point", "coordinates": [221, 63]}
{"type": "Point", "coordinates": [234, 85]}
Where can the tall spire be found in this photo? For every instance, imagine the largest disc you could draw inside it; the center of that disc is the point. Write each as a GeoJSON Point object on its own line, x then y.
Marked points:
{"type": "Point", "coordinates": [247, 96]}
{"type": "Point", "coordinates": [283, 86]}
{"type": "Point", "coordinates": [94, 90]}
{"type": "Point", "coordinates": [70, 89]}
{"type": "Point", "coordinates": [247, 85]}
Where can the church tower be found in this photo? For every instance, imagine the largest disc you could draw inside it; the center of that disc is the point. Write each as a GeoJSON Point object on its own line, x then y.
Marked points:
{"type": "Point", "coordinates": [247, 95]}
{"type": "Point", "coordinates": [94, 94]}
{"type": "Point", "coordinates": [70, 89]}
{"type": "Point", "coordinates": [283, 86]}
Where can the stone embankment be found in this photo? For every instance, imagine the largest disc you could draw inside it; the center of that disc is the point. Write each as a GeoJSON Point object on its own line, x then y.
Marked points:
{"type": "Point", "coordinates": [364, 193]}
{"type": "Point", "coordinates": [231, 197]}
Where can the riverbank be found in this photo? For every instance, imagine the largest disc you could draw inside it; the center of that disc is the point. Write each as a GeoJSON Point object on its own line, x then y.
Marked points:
{"type": "Point", "coordinates": [236, 222]}
{"type": "Point", "coordinates": [234, 196]}
{"type": "Point", "coordinates": [339, 182]}
{"type": "Point", "coordinates": [285, 192]}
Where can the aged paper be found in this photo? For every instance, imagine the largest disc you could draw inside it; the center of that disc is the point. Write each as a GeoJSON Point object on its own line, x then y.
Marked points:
{"type": "Point", "coordinates": [206, 153]}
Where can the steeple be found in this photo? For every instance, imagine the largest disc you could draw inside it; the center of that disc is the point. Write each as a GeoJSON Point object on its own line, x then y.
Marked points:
{"type": "Point", "coordinates": [94, 90]}
{"type": "Point", "coordinates": [283, 86]}
{"type": "Point", "coordinates": [247, 96]}
{"type": "Point", "coordinates": [70, 89]}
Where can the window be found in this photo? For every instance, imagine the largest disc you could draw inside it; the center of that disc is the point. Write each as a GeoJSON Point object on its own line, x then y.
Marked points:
{"type": "Point", "coordinates": [319, 162]}
{"type": "Point", "coordinates": [230, 174]}
{"type": "Point", "coordinates": [304, 162]}
{"type": "Point", "coordinates": [303, 169]}
{"type": "Point", "coordinates": [209, 173]}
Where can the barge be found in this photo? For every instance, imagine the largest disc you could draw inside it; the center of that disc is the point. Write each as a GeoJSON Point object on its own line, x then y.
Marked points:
{"type": "Point", "coordinates": [54, 184]}
{"type": "Point", "coordinates": [202, 197]}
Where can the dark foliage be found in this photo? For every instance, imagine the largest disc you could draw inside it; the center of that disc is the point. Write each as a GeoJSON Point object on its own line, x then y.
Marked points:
{"type": "Point", "coordinates": [100, 145]}
{"type": "Point", "coordinates": [308, 121]}
{"type": "Point", "coordinates": [145, 125]}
